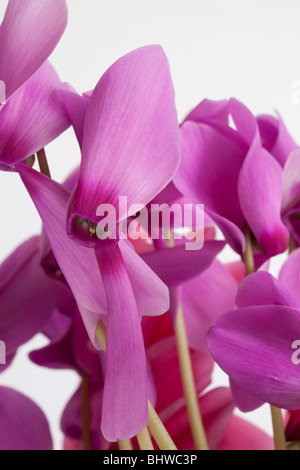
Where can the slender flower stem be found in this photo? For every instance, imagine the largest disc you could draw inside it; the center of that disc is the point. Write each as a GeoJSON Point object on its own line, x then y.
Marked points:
{"type": "Point", "coordinates": [277, 421]}
{"type": "Point", "coordinates": [156, 427]}
{"type": "Point", "coordinates": [144, 440]}
{"type": "Point", "coordinates": [187, 377]}
{"type": "Point", "coordinates": [86, 438]}
{"type": "Point", "coordinates": [248, 255]}
{"type": "Point", "coordinates": [292, 244]}
{"type": "Point", "coordinates": [188, 383]}
{"type": "Point", "coordinates": [158, 431]}
{"type": "Point", "coordinates": [43, 163]}
{"type": "Point", "coordinates": [125, 445]}
{"type": "Point", "coordinates": [278, 426]}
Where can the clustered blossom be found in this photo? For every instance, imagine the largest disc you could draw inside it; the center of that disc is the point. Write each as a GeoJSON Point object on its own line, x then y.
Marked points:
{"type": "Point", "coordinates": [68, 283]}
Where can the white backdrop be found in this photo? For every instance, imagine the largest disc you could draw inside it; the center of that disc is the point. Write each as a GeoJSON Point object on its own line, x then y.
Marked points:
{"type": "Point", "coordinates": [217, 49]}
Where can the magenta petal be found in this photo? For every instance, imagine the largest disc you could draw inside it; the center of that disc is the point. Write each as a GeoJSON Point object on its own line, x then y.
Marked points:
{"type": "Point", "coordinates": [241, 435]}
{"type": "Point", "coordinates": [23, 425]}
{"type": "Point", "coordinates": [204, 300]}
{"type": "Point", "coordinates": [205, 174]}
{"type": "Point", "coordinates": [29, 33]}
{"type": "Point", "coordinates": [262, 288]}
{"type": "Point", "coordinates": [245, 401]}
{"type": "Point", "coordinates": [151, 294]}
{"type": "Point", "coordinates": [77, 263]}
{"type": "Point", "coordinates": [291, 194]}
{"type": "Point", "coordinates": [260, 185]}
{"type": "Point", "coordinates": [125, 410]}
{"type": "Point", "coordinates": [27, 296]}
{"type": "Point", "coordinates": [233, 234]}
{"type": "Point", "coordinates": [275, 137]}
{"type": "Point", "coordinates": [163, 358]}
{"type": "Point", "coordinates": [209, 109]}
{"type": "Point", "coordinates": [131, 142]}
{"type": "Point", "coordinates": [289, 276]}
{"type": "Point", "coordinates": [76, 107]}
{"type": "Point", "coordinates": [33, 117]}
{"type": "Point", "coordinates": [253, 346]}
{"type": "Point", "coordinates": [177, 265]}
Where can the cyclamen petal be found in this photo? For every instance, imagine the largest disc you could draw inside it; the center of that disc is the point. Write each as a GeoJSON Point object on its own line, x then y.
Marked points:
{"type": "Point", "coordinates": [32, 118]}
{"type": "Point", "coordinates": [23, 425]}
{"type": "Point", "coordinates": [253, 346]}
{"type": "Point", "coordinates": [125, 409]}
{"type": "Point", "coordinates": [262, 288]}
{"type": "Point", "coordinates": [27, 296]}
{"type": "Point", "coordinates": [289, 276]}
{"type": "Point", "coordinates": [29, 33]}
{"type": "Point", "coordinates": [131, 138]}
{"type": "Point", "coordinates": [259, 186]}
{"type": "Point", "coordinates": [275, 137]}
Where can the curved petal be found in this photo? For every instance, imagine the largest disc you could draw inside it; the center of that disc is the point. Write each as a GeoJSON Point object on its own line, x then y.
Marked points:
{"type": "Point", "coordinates": [125, 410]}
{"type": "Point", "coordinates": [291, 194]}
{"type": "Point", "coordinates": [163, 358]}
{"type": "Point", "coordinates": [289, 276]}
{"type": "Point", "coordinates": [209, 169]}
{"type": "Point", "coordinates": [131, 138]}
{"type": "Point", "coordinates": [275, 137]}
{"type": "Point", "coordinates": [77, 263]}
{"type": "Point", "coordinates": [244, 400]}
{"type": "Point", "coordinates": [27, 296]}
{"type": "Point", "coordinates": [151, 294]}
{"type": "Point", "coordinates": [174, 266]}
{"type": "Point", "coordinates": [23, 425]}
{"type": "Point", "coordinates": [29, 33]}
{"type": "Point", "coordinates": [253, 346]}
{"type": "Point", "coordinates": [260, 186]}
{"type": "Point", "coordinates": [204, 300]}
{"type": "Point", "coordinates": [241, 435]}
{"type": "Point", "coordinates": [209, 109]}
{"type": "Point", "coordinates": [32, 118]}
{"type": "Point", "coordinates": [76, 108]}
{"type": "Point", "coordinates": [262, 288]}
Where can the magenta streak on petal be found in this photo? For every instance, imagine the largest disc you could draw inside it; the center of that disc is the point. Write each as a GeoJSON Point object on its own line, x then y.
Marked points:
{"type": "Point", "coordinates": [125, 411]}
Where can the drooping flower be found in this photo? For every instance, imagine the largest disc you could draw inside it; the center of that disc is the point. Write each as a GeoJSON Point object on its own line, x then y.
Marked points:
{"type": "Point", "coordinates": [231, 172]}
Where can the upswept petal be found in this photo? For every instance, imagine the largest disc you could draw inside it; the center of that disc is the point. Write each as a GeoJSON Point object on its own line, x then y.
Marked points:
{"type": "Point", "coordinates": [209, 169]}
{"type": "Point", "coordinates": [131, 137]}
{"type": "Point", "coordinates": [29, 33]}
{"type": "Point", "coordinates": [33, 118]}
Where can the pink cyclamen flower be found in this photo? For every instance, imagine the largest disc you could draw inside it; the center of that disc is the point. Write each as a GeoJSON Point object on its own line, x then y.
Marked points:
{"type": "Point", "coordinates": [234, 175]}
{"type": "Point", "coordinates": [130, 148]}
{"type": "Point", "coordinates": [254, 344]}
{"type": "Point", "coordinates": [31, 111]}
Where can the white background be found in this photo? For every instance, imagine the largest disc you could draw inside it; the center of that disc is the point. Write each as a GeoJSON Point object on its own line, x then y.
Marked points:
{"type": "Point", "coordinates": [217, 49]}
